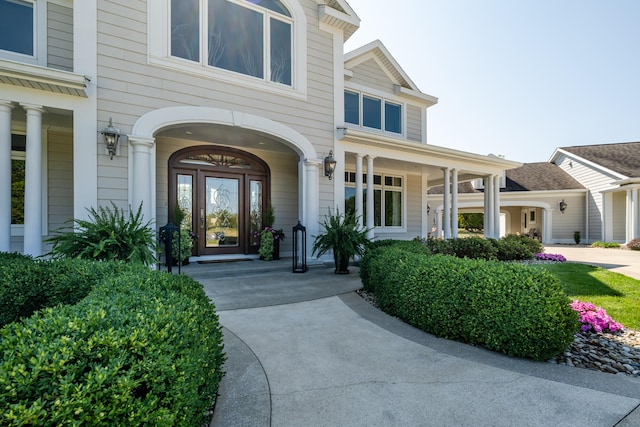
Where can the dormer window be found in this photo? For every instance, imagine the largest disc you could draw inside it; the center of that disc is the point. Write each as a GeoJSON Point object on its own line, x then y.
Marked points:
{"type": "Point", "coordinates": [372, 112]}
{"type": "Point", "coordinates": [250, 37]}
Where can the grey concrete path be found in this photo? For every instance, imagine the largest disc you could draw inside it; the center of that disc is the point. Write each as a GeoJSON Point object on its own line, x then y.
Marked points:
{"type": "Point", "coordinates": [623, 261]}
{"type": "Point", "coordinates": [304, 350]}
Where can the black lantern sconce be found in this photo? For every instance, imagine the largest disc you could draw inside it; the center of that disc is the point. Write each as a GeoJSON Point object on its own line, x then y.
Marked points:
{"type": "Point", "coordinates": [562, 205]}
{"type": "Point", "coordinates": [329, 165]}
{"type": "Point", "coordinates": [111, 139]}
{"type": "Point", "coordinates": [299, 248]}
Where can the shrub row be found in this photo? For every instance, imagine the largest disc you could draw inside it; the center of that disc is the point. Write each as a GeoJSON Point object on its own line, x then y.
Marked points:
{"type": "Point", "coordinates": [511, 247]}
{"type": "Point", "coordinates": [634, 244]}
{"type": "Point", "coordinates": [27, 285]}
{"type": "Point", "coordinates": [505, 307]}
{"type": "Point", "coordinates": [142, 348]}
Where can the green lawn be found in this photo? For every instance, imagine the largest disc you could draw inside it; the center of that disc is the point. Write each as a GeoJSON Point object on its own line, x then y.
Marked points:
{"type": "Point", "coordinates": [619, 295]}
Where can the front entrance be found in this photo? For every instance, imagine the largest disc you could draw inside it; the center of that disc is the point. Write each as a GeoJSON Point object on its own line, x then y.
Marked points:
{"type": "Point", "coordinates": [223, 193]}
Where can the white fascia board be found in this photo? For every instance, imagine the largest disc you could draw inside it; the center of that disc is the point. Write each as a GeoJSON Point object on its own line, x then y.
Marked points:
{"type": "Point", "coordinates": [412, 94]}
{"type": "Point", "coordinates": [334, 18]}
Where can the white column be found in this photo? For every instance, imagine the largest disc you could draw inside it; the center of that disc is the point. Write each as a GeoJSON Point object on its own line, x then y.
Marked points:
{"type": "Point", "coordinates": [489, 208]}
{"type": "Point", "coordinates": [141, 175]}
{"type": "Point", "coordinates": [632, 214]}
{"type": "Point", "coordinates": [487, 203]}
{"type": "Point", "coordinates": [359, 208]}
{"type": "Point", "coordinates": [547, 226]}
{"type": "Point", "coordinates": [496, 208]}
{"type": "Point", "coordinates": [33, 182]}
{"type": "Point", "coordinates": [312, 202]}
{"type": "Point", "coordinates": [636, 213]}
{"type": "Point", "coordinates": [454, 203]}
{"type": "Point", "coordinates": [370, 199]}
{"type": "Point", "coordinates": [439, 223]}
{"type": "Point", "coordinates": [426, 226]}
{"type": "Point", "coordinates": [5, 176]}
{"type": "Point", "coordinates": [447, 203]}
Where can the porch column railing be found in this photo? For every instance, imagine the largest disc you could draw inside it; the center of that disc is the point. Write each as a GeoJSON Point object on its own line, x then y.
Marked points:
{"type": "Point", "coordinates": [33, 182]}
{"type": "Point", "coordinates": [359, 212]}
{"type": "Point", "coordinates": [447, 203]}
{"type": "Point", "coordinates": [5, 176]}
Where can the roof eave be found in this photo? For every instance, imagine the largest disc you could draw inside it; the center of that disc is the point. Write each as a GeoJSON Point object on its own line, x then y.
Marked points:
{"type": "Point", "coordinates": [43, 78]}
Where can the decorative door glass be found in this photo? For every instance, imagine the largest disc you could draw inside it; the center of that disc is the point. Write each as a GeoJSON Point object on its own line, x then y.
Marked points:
{"type": "Point", "coordinates": [221, 216]}
{"type": "Point", "coordinates": [256, 212]}
{"type": "Point", "coordinates": [185, 200]}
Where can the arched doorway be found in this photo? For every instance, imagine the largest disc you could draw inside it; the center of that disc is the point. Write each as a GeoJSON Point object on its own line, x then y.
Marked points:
{"type": "Point", "coordinates": [223, 192]}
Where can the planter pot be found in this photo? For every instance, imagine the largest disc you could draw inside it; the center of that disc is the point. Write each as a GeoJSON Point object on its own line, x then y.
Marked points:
{"type": "Point", "coordinates": [275, 254]}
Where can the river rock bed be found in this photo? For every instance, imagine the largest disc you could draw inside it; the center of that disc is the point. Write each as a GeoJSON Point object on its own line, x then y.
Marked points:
{"type": "Point", "coordinates": [613, 353]}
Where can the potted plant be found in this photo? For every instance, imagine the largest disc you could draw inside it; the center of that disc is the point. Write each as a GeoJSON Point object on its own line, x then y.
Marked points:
{"type": "Point", "coordinates": [270, 237]}
{"type": "Point", "coordinates": [342, 235]}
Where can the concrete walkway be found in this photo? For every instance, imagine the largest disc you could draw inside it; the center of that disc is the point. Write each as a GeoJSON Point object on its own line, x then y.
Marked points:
{"type": "Point", "coordinates": [304, 350]}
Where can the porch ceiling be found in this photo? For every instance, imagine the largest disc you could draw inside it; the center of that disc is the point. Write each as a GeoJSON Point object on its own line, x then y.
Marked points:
{"type": "Point", "coordinates": [225, 135]}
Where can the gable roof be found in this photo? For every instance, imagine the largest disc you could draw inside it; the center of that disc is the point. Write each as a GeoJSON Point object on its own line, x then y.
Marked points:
{"type": "Point", "coordinates": [377, 51]}
{"type": "Point", "coordinates": [623, 158]}
{"type": "Point", "coordinates": [339, 14]}
{"type": "Point", "coordinates": [528, 177]}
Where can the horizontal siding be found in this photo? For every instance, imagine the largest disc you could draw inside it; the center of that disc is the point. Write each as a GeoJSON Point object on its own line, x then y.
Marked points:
{"type": "Point", "coordinates": [59, 37]}
{"type": "Point", "coordinates": [620, 217]}
{"type": "Point", "coordinates": [129, 87]}
{"type": "Point", "coordinates": [371, 75]}
{"type": "Point", "coordinates": [60, 185]}
{"type": "Point", "coordinates": [414, 123]}
{"type": "Point", "coordinates": [596, 182]}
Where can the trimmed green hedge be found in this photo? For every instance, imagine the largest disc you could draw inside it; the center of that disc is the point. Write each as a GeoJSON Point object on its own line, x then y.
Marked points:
{"type": "Point", "coordinates": [27, 285]}
{"type": "Point", "coordinates": [511, 247]}
{"type": "Point", "coordinates": [505, 307]}
{"type": "Point", "coordinates": [142, 348]}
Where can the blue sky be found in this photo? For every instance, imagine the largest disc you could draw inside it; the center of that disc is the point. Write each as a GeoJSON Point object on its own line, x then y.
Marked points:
{"type": "Point", "coordinates": [516, 77]}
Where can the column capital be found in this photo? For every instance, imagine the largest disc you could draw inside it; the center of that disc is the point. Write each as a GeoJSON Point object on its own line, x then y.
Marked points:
{"type": "Point", "coordinates": [370, 157]}
{"type": "Point", "coordinates": [360, 156]}
{"type": "Point", "coordinates": [137, 141]}
{"type": "Point", "coordinates": [7, 106]}
{"type": "Point", "coordinates": [312, 163]}
{"type": "Point", "coordinates": [33, 107]}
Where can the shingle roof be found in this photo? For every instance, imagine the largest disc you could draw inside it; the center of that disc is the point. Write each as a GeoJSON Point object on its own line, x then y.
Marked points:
{"type": "Point", "coordinates": [540, 177]}
{"type": "Point", "coordinates": [528, 177]}
{"type": "Point", "coordinates": [623, 158]}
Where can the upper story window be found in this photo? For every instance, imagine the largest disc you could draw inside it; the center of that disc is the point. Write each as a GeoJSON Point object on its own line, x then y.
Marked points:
{"type": "Point", "coordinates": [372, 112]}
{"type": "Point", "coordinates": [250, 37]}
{"type": "Point", "coordinates": [17, 27]}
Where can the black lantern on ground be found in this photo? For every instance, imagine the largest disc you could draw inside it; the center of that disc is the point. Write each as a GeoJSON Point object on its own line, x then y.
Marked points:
{"type": "Point", "coordinates": [166, 236]}
{"type": "Point", "coordinates": [299, 248]}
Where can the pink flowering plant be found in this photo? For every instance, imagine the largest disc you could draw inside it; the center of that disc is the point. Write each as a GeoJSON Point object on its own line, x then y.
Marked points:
{"type": "Point", "coordinates": [594, 318]}
{"type": "Point", "coordinates": [550, 257]}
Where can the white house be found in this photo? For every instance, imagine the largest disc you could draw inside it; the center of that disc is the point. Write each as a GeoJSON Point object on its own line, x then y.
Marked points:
{"type": "Point", "coordinates": [223, 107]}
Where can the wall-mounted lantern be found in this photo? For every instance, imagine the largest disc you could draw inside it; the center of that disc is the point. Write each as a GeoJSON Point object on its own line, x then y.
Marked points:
{"type": "Point", "coordinates": [329, 165]}
{"type": "Point", "coordinates": [562, 205]}
{"type": "Point", "coordinates": [299, 248]}
{"type": "Point", "coordinates": [111, 139]}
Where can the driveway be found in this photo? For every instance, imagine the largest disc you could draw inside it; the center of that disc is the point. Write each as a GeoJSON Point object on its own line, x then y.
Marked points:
{"type": "Point", "coordinates": [305, 350]}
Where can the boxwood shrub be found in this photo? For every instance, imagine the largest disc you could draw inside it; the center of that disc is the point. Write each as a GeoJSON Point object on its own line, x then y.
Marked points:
{"type": "Point", "coordinates": [505, 307]}
{"type": "Point", "coordinates": [142, 348]}
{"type": "Point", "coordinates": [511, 247]}
{"type": "Point", "coordinates": [373, 249]}
{"type": "Point", "coordinates": [27, 285]}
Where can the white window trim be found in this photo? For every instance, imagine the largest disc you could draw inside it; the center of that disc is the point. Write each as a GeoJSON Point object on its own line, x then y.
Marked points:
{"type": "Point", "coordinates": [384, 99]}
{"type": "Point", "coordinates": [39, 56]}
{"type": "Point", "coordinates": [159, 42]}
{"type": "Point", "coordinates": [382, 188]}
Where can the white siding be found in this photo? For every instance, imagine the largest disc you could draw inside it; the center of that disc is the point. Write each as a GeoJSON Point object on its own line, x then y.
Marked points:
{"type": "Point", "coordinates": [414, 123]}
{"type": "Point", "coordinates": [129, 87]}
{"type": "Point", "coordinates": [59, 37]}
{"type": "Point", "coordinates": [60, 171]}
{"type": "Point", "coordinates": [371, 75]}
{"type": "Point", "coordinates": [596, 181]}
{"type": "Point", "coordinates": [619, 217]}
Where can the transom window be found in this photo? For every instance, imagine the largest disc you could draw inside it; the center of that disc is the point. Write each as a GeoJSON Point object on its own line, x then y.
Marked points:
{"type": "Point", "coordinates": [372, 112]}
{"type": "Point", "coordinates": [250, 37]}
{"type": "Point", "coordinates": [388, 201]}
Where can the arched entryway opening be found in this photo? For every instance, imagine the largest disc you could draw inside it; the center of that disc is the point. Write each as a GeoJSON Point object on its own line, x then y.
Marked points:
{"type": "Point", "coordinates": [223, 193]}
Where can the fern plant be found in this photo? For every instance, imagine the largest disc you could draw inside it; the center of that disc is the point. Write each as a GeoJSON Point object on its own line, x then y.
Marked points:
{"type": "Point", "coordinates": [107, 235]}
{"type": "Point", "coordinates": [344, 237]}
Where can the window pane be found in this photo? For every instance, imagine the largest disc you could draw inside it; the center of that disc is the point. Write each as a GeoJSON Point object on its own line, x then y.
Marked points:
{"type": "Point", "coordinates": [377, 179]}
{"type": "Point", "coordinates": [280, 52]}
{"type": "Point", "coordinates": [236, 38]}
{"type": "Point", "coordinates": [273, 5]}
{"type": "Point", "coordinates": [371, 112]}
{"type": "Point", "coordinates": [392, 117]}
{"type": "Point", "coordinates": [377, 208]}
{"type": "Point", "coordinates": [393, 208]}
{"type": "Point", "coordinates": [185, 200]}
{"type": "Point", "coordinates": [16, 26]}
{"type": "Point", "coordinates": [349, 200]}
{"type": "Point", "coordinates": [256, 212]}
{"type": "Point", "coordinates": [17, 191]}
{"type": "Point", "coordinates": [351, 107]}
{"type": "Point", "coordinates": [185, 29]}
